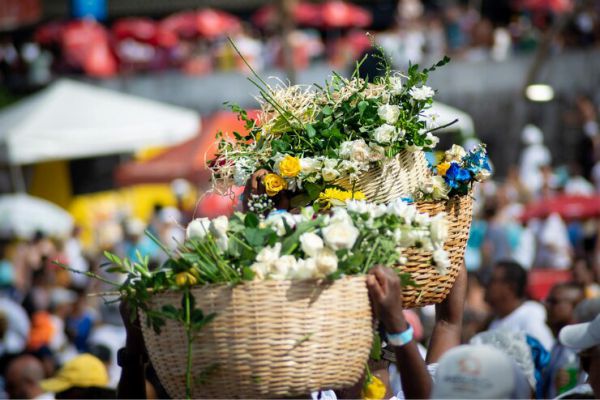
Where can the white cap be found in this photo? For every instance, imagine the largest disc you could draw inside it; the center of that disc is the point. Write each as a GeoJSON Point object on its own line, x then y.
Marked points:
{"type": "Point", "coordinates": [532, 135]}
{"type": "Point", "coordinates": [478, 372]}
{"type": "Point", "coordinates": [581, 336]}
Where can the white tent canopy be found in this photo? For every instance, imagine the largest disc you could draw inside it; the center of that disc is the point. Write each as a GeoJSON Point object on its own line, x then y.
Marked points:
{"type": "Point", "coordinates": [448, 114]}
{"type": "Point", "coordinates": [76, 120]}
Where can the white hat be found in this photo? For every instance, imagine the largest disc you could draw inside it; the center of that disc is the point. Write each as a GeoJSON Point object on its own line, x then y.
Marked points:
{"type": "Point", "coordinates": [581, 336]}
{"type": "Point", "coordinates": [479, 372]}
{"type": "Point", "coordinates": [532, 135]}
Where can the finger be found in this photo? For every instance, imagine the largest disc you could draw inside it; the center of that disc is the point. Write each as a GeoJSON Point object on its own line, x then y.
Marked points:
{"type": "Point", "coordinates": [382, 278]}
{"type": "Point", "coordinates": [375, 289]}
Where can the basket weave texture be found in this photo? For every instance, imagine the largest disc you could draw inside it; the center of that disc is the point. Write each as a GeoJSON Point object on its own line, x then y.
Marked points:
{"type": "Point", "coordinates": [268, 339]}
{"type": "Point", "coordinates": [434, 287]}
{"type": "Point", "coordinates": [397, 177]}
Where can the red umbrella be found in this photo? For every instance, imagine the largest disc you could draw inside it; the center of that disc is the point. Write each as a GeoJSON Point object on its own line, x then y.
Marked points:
{"type": "Point", "coordinates": [567, 206]}
{"type": "Point", "coordinates": [304, 13]}
{"type": "Point", "coordinates": [140, 29]}
{"type": "Point", "coordinates": [182, 24]}
{"type": "Point", "coordinates": [212, 23]}
{"type": "Point", "coordinates": [556, 6]}
{"type": "Point", "coordinates": [339, 14]}
{"type": "Point", "coordinates": [85, 45]}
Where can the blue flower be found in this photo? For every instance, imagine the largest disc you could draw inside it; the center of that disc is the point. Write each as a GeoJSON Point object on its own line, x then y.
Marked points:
{"type": "Point", "coordinates": [455, 175]}
{"type": "Point", "coordinates": [476, 160]}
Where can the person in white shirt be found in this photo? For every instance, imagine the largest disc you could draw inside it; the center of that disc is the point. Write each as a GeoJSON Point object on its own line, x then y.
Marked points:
{"type": "Point", "coordinates": [505, 293]}
{"type": "Point", "coordinates": [23, 377]}
{"type": "Point", "coordinates": [534, 156]}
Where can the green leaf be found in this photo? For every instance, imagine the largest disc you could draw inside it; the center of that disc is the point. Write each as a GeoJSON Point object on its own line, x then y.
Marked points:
{"type": "Point", "coordinates": [251, 220]}
{"type": "Point", "coordinates": [313, 190]}
{"type": "Point", "coordinates": [362, 106]}
{"type": "Point", "coordinates": [406, 280]}
{"type": "Point", "coordinates": [300, 200]}
{"type": "Point", "coordinates": [376, 347]}
{"type": "Point", "coordinates": [310, 130]}
{"type": "Point", "coordinates": [120, 270]}
{"type": "Point", "coordinates": [247, 274]}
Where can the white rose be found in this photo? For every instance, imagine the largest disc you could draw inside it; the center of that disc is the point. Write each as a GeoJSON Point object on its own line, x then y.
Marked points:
{"type": "Point", "coordinates": [329, 174]}
{"type": "Point", "coordinates": [218, 226]}
{"type": "Point", "coordinates": [305, 269]}
{"type": "Point", "coordinates": [482, 175]}
{"type": "Point", "coordinates": [261, 270]}
{"type": "Point", "coordinates": [222, 243]}
{"type": "Point", "coordinates": [275, 221]}
{"type": "Point", "coordinates": [340, 235]}
{"type": "Point", "coordinates": [409, 214]}
{"type": "Point", "coordinates": [439, 229]}
{"type": "Point", "coordinates": [327, 262]}
{"type": "Point", "coordinates": [346, 150]}
{"type": "Point", "coordinates": [389, 113]}
{"type": "Point", "coordinates": [434, 139]}
{"type": "Point", "coordinates": [283, 268]}
{"type": "Point", "coordinates": [309, 165]}
{"type": "Point", "coordinates": [421, 93]}
{"type": "Point", "coordinates": [357, 206]}
{"type": "Point", "coordinates": [340, 215]}
{"type": "Point", "coordinates": [441, 260]}
{"type": "Point", "coordinates": [268, 255]}
{"type": "Point", "coordinates": [385, 134]}
{"type": "Point", "coordinates": [456, 153]}
{"type": "Point", "coordinates": [330, 163]}
{"type": "Point", "coordinates": [397, 207]}
{"type": "Point", "coordinates": [422, 219]}
{"type": "Point", "coordinates": [359, 151]}
{"type": "Point", "coordinates": [311, 243]}
{"type": "Point", "coordinates": [440, 187]}
{"type": "Point", "coordinates": [377, 152]}
{"type": "Point", "coordinates": [197, 229]}
{"type": "Point", "coordinates": [396, 85]}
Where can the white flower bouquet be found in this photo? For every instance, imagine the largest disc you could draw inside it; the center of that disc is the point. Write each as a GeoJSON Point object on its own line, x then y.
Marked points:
{"type": "Point", "coordinates": [310, 138]}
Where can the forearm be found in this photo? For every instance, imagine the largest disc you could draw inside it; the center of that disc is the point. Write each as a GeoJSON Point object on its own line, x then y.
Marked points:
{"type": "Point", "coordinates": [416, 381]}
{"type": "Point", "coordinates": [445, 335]}
{"type": "Point", "coordinates": [132, 384]}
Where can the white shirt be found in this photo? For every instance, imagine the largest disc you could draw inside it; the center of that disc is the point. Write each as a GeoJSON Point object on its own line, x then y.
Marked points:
{"type": "Point", "coordinates": [530, 318]}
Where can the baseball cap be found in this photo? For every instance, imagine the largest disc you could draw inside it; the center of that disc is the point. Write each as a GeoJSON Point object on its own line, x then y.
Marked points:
{"type": "Point", "coordinates": [479, 372]}
{"type": "Point", "coordinates": [581, 336]}
{"type": "Point", "coordinates": [84, 370]}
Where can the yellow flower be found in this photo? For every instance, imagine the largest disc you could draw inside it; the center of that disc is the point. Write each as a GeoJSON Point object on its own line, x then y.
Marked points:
{"type": "Point", "coordinates": [442, 168]}
{"type": "Point", "coordinates": [289, 167]}
{"type": "Point", "coordinates": [336, 197]}
{"type": "Point", "coordinates": [374, 389]}
{"type": "Point", "coordinates": [185, 279]}
{"type": "Point", "coordinates": [274, 184]}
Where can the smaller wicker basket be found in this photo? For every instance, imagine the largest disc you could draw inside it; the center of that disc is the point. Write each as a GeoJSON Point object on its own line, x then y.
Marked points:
{"type": "Point", "coordinates": [396, 178]}
{"type": "Point", "coordinates": [434, 287]}
{"type": "Point", "coordinates": [268, 339]}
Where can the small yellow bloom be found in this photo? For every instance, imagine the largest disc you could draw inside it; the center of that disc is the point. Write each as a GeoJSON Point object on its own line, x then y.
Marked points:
{"type": "Point", "coordinates": [336, 197]}
{"type": "Point", "coordinates": [442, 168]}
{"type": "Point", "coordinates": [289, 167]}
{"type": "Point", "coordinates": [374, 389]}
{"type": "Point", "coordinates": [274, 184]}
{"type": "Point", "coordinates": [185, 279]}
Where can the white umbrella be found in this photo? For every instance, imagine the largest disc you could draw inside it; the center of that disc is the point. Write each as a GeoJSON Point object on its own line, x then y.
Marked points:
{"type": "Point", "coordinates": [22, 215]}
{"type": "Point", "coordinates": [447, 114]}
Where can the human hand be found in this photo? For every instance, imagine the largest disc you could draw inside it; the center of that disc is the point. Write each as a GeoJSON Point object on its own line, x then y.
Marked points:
{"type": "Point", "coordinates": [385, 291]}
{"type": "Point", "coordinates": [452, 307]}
{"type": "Point", "coordinates": [255, 185]}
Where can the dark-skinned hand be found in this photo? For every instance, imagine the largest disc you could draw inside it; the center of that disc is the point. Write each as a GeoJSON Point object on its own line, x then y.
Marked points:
{"type": "Point", "coordinates": [385, 291]}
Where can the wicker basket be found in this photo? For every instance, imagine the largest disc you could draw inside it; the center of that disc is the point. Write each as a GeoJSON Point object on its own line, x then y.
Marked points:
{"type": "Point", "coordinates": [397, 177]}
{"type": "Point", "coordinates": [435, 287]}
{"type": "Point", "coordinates": [269, 339]}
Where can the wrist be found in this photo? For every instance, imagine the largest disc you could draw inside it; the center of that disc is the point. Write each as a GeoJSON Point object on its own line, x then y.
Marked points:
{"type": "Point", "coordinates": [396, 325]}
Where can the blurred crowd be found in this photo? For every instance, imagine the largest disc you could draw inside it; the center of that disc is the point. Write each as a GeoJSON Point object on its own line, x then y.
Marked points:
{"type": "Point", "coordinates": [195, 42]}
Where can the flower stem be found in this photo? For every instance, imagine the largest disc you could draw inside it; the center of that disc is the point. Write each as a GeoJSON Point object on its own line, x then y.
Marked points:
{"type": "Point", "coordinates": [188, 332]}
